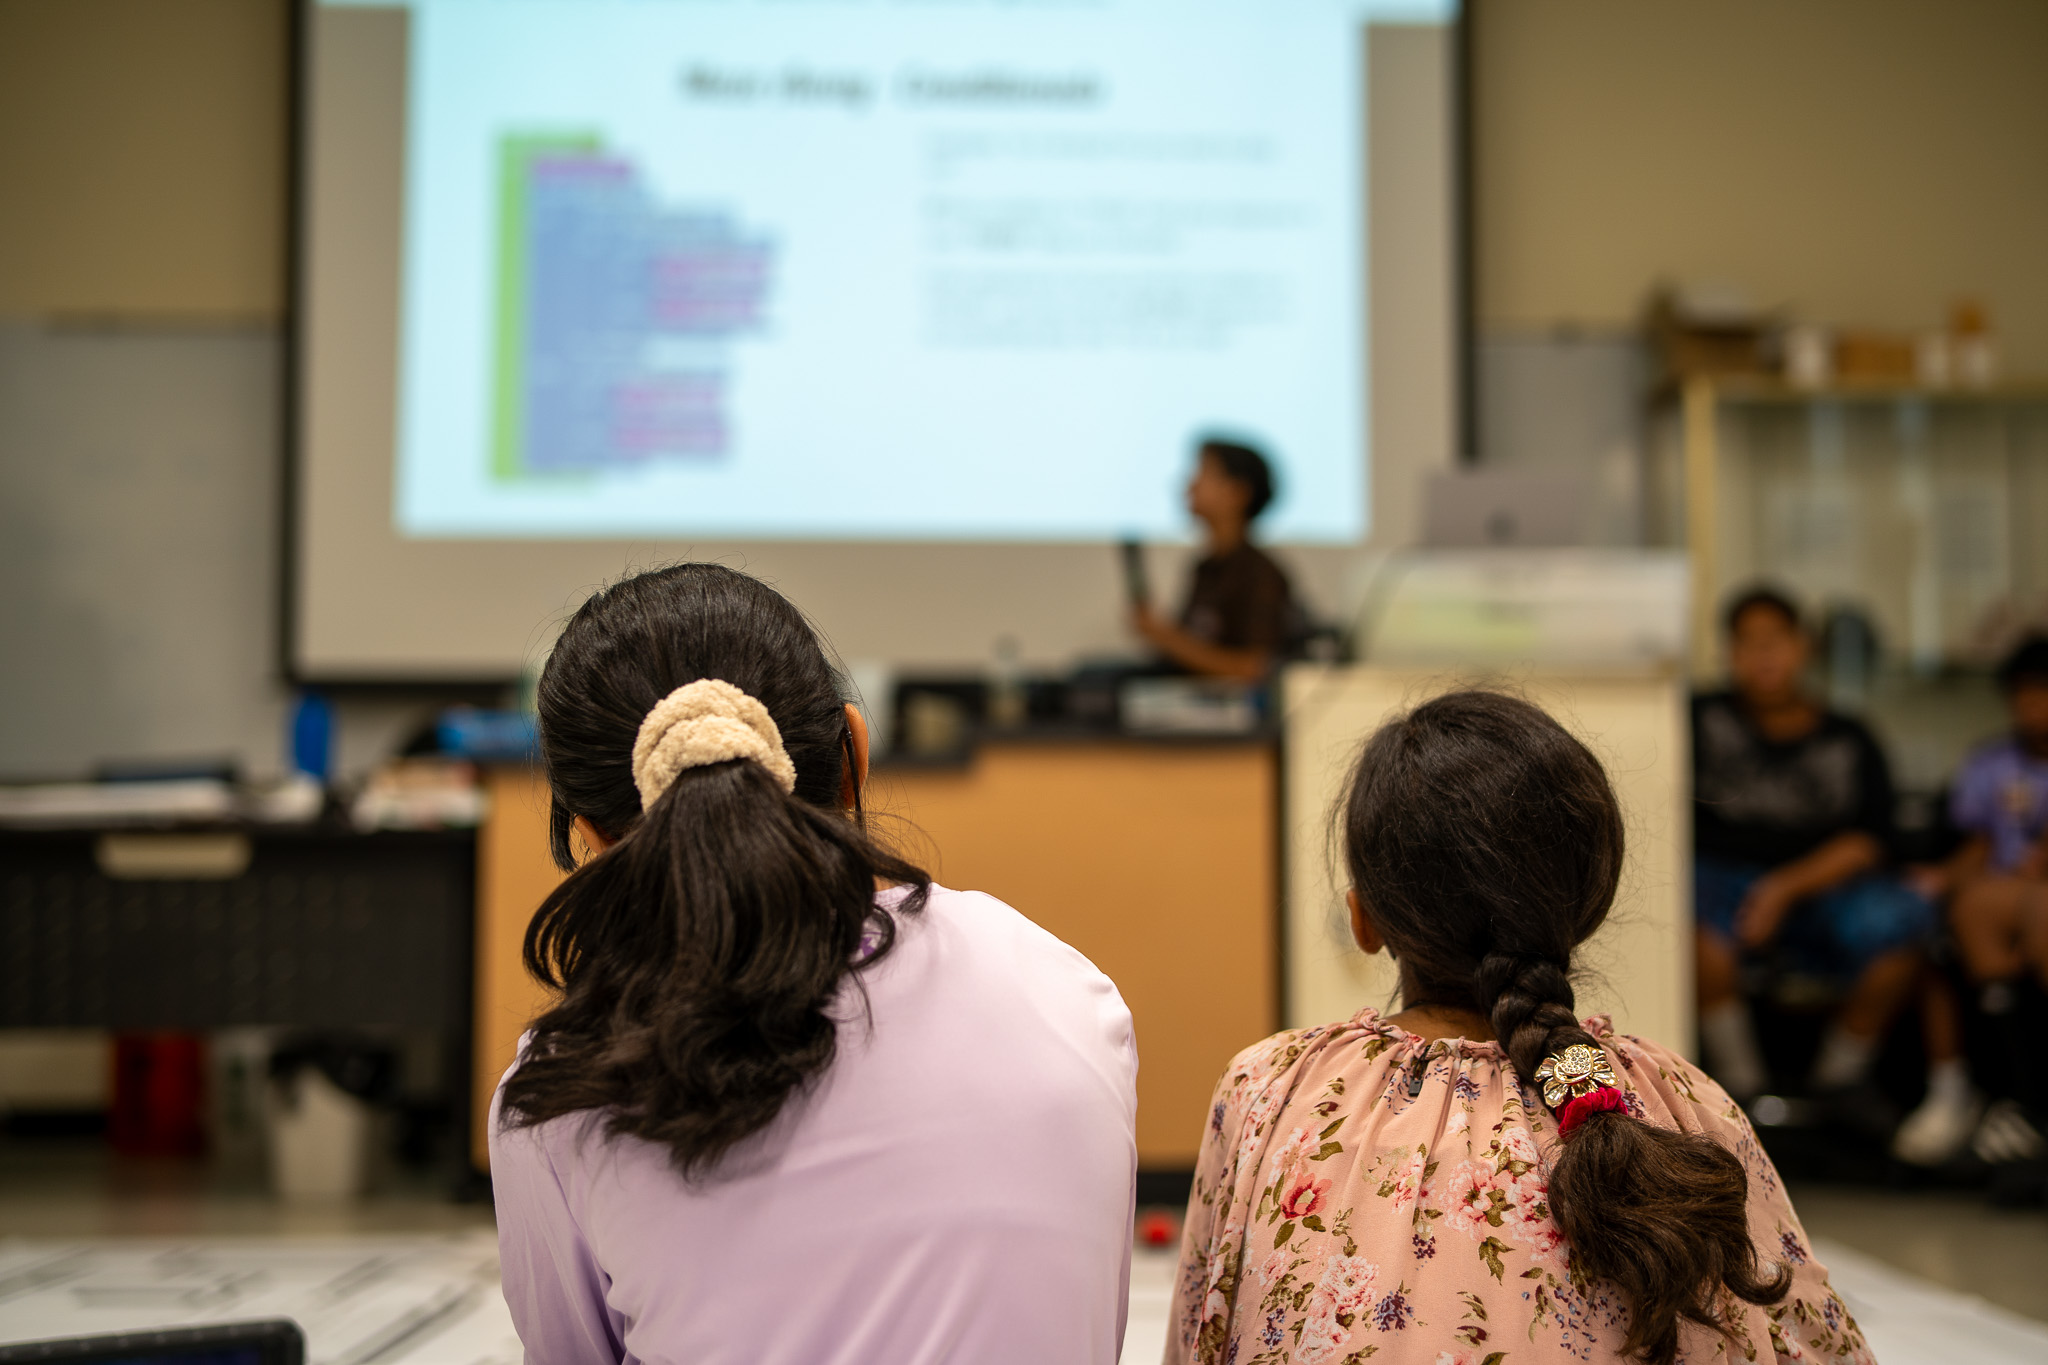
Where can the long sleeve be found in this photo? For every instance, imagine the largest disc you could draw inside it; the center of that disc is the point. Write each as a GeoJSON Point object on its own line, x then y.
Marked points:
{"type": "Point", "coordinates": [552, 1281]}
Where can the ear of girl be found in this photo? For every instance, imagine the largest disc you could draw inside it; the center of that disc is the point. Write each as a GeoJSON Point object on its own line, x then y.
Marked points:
{"type": "Point", "coordinates": [855, 779]}
{"type": "Point", "coordinates": [1362, 933]}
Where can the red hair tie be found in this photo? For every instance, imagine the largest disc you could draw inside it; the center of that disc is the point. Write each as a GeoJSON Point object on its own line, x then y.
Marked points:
{"type": "Point", "coordinates": [1605, 1099]}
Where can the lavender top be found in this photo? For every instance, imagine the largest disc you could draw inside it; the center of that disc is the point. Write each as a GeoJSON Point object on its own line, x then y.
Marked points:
{"type": "Point", "coordinates": [2002, 794]}
{"type": "Point", "coordinates": [957, 1188]}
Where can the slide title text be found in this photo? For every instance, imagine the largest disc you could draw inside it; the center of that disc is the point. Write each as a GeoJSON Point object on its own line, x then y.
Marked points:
{"type": "Point", "coordinates": [916, 86]}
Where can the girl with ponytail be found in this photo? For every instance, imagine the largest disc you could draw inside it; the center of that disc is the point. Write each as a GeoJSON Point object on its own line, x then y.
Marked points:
{"type": "Point", "coordinates": [793, 1103]}
{"type": "Point", "coordinates": [1484, 1178]}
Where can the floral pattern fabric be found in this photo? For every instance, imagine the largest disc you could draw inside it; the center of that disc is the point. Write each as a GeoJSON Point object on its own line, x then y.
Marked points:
{"type": "Point", "coordinates": [1363, 1193]}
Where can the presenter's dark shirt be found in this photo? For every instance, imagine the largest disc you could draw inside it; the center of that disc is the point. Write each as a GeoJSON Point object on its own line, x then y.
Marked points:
{"type": "Point", "coordinates": [1240, 599]}
{"type": "Point", "coordinates": [1766, 803]}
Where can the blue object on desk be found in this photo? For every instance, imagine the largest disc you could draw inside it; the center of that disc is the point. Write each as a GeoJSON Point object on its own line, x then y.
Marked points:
{"type": "Point", "coordinates": [488, 736]}
{"type": "Point", "coordinates": [312, 737]}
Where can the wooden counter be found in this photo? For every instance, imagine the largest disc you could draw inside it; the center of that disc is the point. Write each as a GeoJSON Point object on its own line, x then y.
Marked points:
{"type": "Point", "coordinates": [514, 874]}
{"type": "Point", "coordinates": [1157, 860]}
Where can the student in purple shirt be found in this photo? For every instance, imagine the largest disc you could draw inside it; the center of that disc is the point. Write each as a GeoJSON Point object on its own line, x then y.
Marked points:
{"type": "Point", "coordinates": [794, 1103]}
{"type": "Point", "coordinates": [1998, 898]}
{"type": "Point", "coordinates": [2000, 799]}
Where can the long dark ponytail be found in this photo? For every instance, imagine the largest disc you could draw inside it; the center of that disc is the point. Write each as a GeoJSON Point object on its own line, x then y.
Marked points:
{"type": "Point", "coordinates": [1485, 844]}
{"type": "Point", "coordinates": [699, 958]}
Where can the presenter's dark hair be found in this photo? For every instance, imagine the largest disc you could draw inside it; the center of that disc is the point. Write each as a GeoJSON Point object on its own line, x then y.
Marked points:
{"type": "Point", "coordinates": [1762, 597]}
{"type": "Point", "coordinates": [1485, 845]}
{"type": "Point", "coordinates": [698, 958]}
{"type": "Point", "coordinates": [1246, 466]}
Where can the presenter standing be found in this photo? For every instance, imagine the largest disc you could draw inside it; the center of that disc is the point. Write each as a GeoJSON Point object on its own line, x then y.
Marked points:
{"type": "Point", "coordinates": [1240, 611]}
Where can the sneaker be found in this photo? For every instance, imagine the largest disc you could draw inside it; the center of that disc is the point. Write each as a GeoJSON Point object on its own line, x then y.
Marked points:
{"type": "Point", "coordinates": [2006, 1136]}
{"type": "Point", "coordinates": [1937, 1131]}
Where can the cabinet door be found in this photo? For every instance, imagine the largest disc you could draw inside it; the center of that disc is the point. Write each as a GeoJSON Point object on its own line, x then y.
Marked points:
{"type": "Point", "coordinates": [513, 876]}
{"type": "Point", "coordinates": [1156, 861]}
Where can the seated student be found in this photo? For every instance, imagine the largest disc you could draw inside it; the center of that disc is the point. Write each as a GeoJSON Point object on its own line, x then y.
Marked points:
{"type": "Point", "coordinates": [1792, 823]}
{"type": "Point", "coordinates": [1482, 1173]}
{"type": "Point", "coordinates": [1997, 885]}
{"type": "Point", "coordinates": [1240, 610]}
{"type": "Point", "coordinates": [795, 1104]}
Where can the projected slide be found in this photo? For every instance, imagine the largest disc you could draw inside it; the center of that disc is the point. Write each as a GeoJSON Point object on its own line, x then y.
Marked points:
{"type": "Point", "coordinates": [595, 284]}
{"type": "Point", "coordinates": [868, 269]}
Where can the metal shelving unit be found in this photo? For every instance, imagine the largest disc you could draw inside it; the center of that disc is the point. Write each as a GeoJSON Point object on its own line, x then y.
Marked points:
{"type": "Point", "coordinates": [1920, 509]}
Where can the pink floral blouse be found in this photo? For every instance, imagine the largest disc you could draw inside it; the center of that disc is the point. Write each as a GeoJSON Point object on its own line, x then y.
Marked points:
{"type": "Point", "coordinates": [1364, 1193]}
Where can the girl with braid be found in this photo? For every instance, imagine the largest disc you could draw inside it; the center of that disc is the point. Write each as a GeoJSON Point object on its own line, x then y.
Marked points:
{"type": "Point", "coordinates": [1482, 1178]}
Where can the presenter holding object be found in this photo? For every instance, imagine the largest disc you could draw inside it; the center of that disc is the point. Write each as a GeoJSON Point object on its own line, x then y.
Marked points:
{"type": "Point", "coordinates": [1240, 609]}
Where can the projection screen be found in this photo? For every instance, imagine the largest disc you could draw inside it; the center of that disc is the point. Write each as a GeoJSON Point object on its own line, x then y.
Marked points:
{"type": "Point", "coordinates": [912, 308]}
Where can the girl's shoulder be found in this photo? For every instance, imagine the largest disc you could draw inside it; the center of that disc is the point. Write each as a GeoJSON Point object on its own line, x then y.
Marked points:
{"type": "Point", "coordinates": [991, 927]}
{"type": "Point", "coordinates": [1665, 1087]}
{"type": "Point", "coordinates": [1366, 1038]}
{"type": "Point", "coordinates": [968, 961]}
{"type": "Point", "coordinates": [1346, 1055]}
{"type": "Point", "coordinates": [1278, 1054]}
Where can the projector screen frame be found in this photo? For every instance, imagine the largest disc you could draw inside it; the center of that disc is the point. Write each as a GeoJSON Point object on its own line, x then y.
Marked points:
{"type": "Point", "coordinates": [1464, 247]}
{"type": "Point", "coordinates": [479, 689]}
{"type": "Point", "coordinates": [293, 382]}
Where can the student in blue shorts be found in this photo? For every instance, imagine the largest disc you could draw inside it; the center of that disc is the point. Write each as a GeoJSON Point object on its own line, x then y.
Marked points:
{"type": "Point", "coordinates": [1792, 832]}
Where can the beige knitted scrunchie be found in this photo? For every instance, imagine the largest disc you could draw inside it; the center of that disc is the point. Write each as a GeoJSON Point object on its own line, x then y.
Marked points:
{"type": "Point", "coordinates": [706, 721]}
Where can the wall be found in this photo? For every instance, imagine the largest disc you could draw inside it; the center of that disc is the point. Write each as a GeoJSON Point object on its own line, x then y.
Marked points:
{"type": "Point", "coordinates": [149, 137]}
{"type": "Point", "coordinates": [138, 537]}
{"type": "Point", "coordinates": [1569, 404]}
{"type": "Point", "coordinates": [1861, 161]}
{"type": "Point", "coordinates": [138, 542]}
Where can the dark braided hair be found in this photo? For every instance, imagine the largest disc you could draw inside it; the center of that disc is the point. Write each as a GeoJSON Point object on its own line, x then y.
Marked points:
{"type": "Point", "coordinates": [1485, 845]}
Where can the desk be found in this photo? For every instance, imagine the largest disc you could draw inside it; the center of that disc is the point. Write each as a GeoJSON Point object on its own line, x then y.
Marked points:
{"type": "Point", "coordinates": [316, 927]}
{"type": "Point", "coordinates": [1157, 859]}
{"type": "Point", "coordinates": [319, 927]}
{"type": "Point", "coordinates": [1637, 967]}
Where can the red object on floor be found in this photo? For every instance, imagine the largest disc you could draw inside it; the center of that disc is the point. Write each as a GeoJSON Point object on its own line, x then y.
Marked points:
{"type": "Point", "coordinates": [159, 1095]}
{"type": "Point", "coordinates": [1157, 1229]}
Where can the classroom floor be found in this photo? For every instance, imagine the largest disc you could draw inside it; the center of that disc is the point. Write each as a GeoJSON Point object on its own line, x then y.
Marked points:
{"type": "Point", "coordinates": [408, 1278]}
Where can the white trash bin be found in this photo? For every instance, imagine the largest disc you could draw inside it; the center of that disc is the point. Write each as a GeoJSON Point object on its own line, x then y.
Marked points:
{"type": "Point", "coordinates": [320, 1138]}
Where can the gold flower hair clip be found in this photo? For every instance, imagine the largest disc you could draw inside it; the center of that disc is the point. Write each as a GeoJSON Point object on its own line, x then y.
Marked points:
{"type": "Point", "coordinates": [1578, 1070]}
